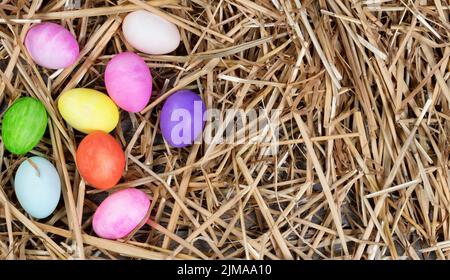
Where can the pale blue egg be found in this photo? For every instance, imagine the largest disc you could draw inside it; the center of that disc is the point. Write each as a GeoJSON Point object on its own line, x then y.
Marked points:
{"type": "Point", "coordinates": [38, 187]}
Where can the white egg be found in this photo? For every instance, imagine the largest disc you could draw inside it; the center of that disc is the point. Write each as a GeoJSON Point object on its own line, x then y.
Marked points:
{"type": "Point", "coordinates": [150, 33]}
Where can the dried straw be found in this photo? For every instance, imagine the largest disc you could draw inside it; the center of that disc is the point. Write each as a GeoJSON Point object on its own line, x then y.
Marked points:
{"type": "Point", "coordinates": [362, 166]}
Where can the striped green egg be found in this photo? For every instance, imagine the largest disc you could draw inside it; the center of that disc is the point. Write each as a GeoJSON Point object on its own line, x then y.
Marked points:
{"type": "Point", "coordinates": [23, 126]}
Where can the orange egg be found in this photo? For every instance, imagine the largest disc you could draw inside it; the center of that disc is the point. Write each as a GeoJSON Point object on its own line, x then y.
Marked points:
{"type": "Point", "coordinates": [100, 160]}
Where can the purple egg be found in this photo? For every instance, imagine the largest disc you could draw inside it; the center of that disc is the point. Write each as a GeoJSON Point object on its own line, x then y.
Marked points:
{"type": "Point", "coordinates": [128, 81]}
{"type": "Point", "coordinates": [51, 45]}
{"type": "Point", "coordinates": [182, 118]}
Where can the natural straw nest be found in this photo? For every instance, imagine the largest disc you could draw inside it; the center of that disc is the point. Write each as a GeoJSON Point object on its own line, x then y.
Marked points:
{"type": "Point", "coordinates": [361, 170]}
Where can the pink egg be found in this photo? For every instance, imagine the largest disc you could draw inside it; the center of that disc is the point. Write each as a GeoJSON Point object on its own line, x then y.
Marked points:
{"type": "Point", "coordinates": [128, 81]}
{"type": "Point", "coordinates": [120, 213]}
{"type": "Point", "coordinates": [51, 45]}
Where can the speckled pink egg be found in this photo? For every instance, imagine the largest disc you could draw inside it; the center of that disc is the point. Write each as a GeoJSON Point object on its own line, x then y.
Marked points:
{"type": "Point", "coordinates": [51, 45]}
{"type": "Point", "coordinates": [120, 213]}
{"type": "Point", "coordinates": [128, 81]}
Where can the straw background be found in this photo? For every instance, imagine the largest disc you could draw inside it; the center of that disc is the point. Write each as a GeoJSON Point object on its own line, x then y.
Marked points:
{"type": "Point", "coordinates": [362, 170]}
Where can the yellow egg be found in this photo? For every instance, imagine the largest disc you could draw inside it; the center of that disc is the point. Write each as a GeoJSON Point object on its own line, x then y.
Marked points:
{"type": "Point", "coordinates": [88, 110]}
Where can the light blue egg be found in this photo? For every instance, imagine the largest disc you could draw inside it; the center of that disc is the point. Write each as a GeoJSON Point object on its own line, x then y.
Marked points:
{"type": "Point", "coordinates": [38, 187]}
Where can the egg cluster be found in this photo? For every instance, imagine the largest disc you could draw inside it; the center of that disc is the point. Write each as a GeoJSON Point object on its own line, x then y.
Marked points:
{"type": "Point", "coordinates": [100, 158]}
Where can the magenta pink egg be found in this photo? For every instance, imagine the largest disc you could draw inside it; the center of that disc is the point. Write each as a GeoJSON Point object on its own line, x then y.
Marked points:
{"type": "Point", "coordinates": [120, 213]}
{"type": "Point", "coordinates": [51, 45]}
{"type": "Point", "coordinates": [128, 81]}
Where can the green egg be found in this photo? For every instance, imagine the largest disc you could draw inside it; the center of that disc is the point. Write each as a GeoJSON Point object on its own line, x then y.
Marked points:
{"type": "Point", "coordinates": [23, 126]}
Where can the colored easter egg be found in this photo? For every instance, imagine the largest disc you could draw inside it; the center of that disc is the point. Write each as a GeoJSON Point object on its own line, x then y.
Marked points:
{"type": "Point", "coordinates": [52, 46]}
{"type": "Point", "coordinates": [182, 118]}
{"type": "Point", "coordinates": [24, 124]}
{"type": "Point", "coordinates": [120, 213]}
{"type": "Point", "coordinates": [88, 110]}
{"type": "Point", "coordinates": [128, 81]}
{"type": "Point", "coordinates": [100, 160]}
{"type": "Point", "coordinates": [150, 33]}
{"type": "Point", "coordinates": [38, 187]}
